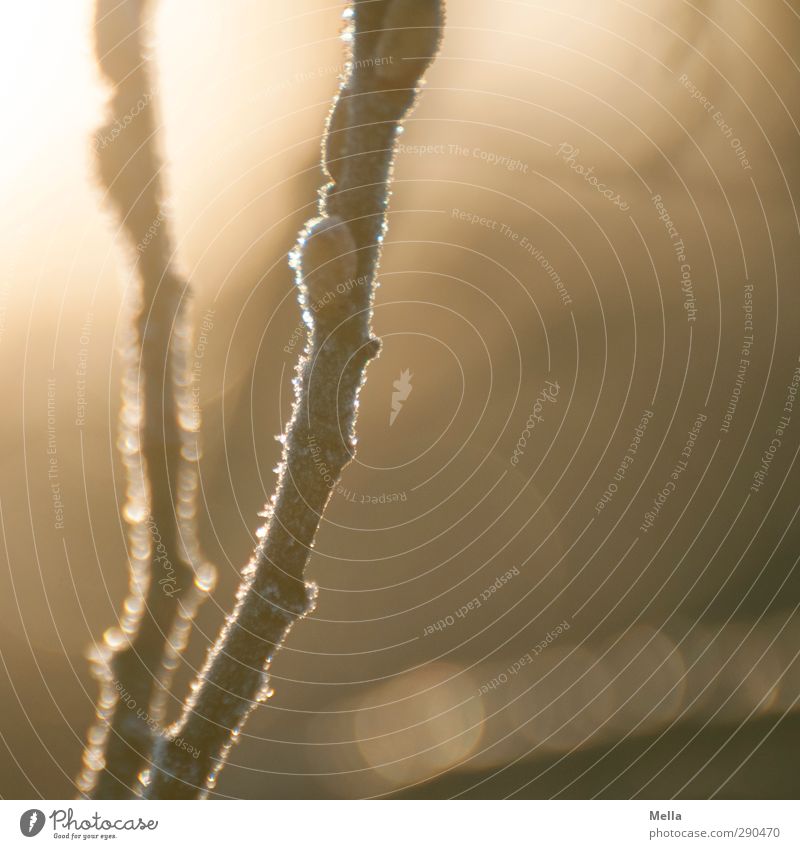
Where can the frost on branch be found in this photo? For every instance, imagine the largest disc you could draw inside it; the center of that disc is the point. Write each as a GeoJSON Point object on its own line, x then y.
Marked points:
{"type": "Point", "coordinates": [158, 438]}
{"type": "Point", "coordinates": [335, 261]}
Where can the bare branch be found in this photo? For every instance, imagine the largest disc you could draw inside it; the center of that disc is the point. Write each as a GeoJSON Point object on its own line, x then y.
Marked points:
{"type": "Point", "coordinates": [336, 261]}
{"type": "Point", "coordinates": [158, 430]}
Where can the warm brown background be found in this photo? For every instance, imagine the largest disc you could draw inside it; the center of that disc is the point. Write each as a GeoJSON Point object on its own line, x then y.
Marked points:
{"type": "Point", "coordinates": [690, 626]}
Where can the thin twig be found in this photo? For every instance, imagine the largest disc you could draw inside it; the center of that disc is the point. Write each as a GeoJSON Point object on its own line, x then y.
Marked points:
{"type": "Point", "coordinates": [336, 261]}
{"type": "Point", "coordinates": [158, 429]}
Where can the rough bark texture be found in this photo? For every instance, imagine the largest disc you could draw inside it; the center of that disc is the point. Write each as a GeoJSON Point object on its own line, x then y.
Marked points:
{"type": "Point", "coordinates": [336, 261]}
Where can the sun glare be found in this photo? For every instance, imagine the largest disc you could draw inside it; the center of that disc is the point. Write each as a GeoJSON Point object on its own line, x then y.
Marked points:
{"type": "Point", "coordinates": [50, 90]}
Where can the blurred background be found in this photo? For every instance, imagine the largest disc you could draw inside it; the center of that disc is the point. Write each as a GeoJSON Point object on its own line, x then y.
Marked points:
{"type": "Point", "coordinates": [566, 564]}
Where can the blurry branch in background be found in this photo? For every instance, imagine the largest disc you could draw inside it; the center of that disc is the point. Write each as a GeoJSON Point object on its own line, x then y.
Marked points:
{"type": "Point", "coordinates": [336, 261]}
{"type": "Point", "coordinates": [158, 438]}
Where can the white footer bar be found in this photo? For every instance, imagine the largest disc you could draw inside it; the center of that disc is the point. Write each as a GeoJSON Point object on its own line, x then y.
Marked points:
{"type": "Point", "coordinates": [390, 824]}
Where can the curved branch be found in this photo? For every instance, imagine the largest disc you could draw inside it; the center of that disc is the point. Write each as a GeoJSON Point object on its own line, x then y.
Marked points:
{"type": "Point", "coordinates": [336, 261]}
{"type": "Point", "coordinates": [158, 431]}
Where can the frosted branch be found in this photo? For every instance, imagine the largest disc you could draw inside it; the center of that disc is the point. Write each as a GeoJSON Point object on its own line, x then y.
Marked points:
{"type": "Point", "coordinates": [335, 261]}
